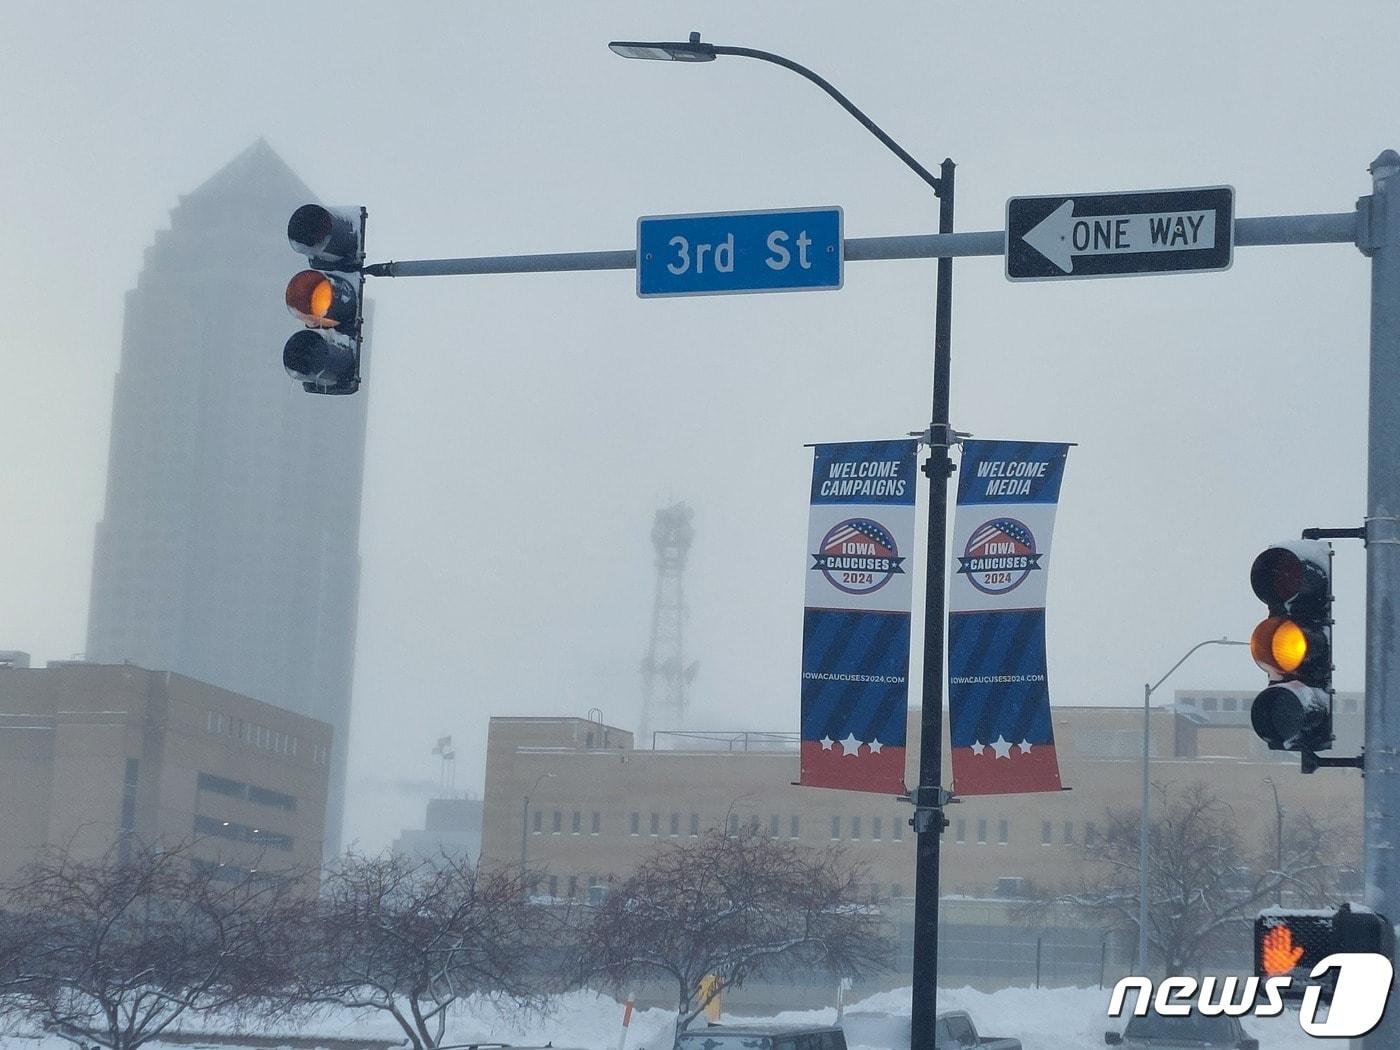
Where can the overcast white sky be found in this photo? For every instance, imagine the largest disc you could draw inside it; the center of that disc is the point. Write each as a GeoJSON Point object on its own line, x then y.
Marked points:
{"type": "Point", "coordinates": [524, 429]}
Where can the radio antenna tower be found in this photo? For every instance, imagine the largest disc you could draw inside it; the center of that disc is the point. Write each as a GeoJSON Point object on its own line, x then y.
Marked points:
{"type": "Point", "coordinates": [665, 674]}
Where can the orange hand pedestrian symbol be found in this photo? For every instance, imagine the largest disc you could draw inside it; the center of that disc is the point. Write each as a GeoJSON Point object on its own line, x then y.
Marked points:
{"type": "Point", "coordinates": [1278, 954]}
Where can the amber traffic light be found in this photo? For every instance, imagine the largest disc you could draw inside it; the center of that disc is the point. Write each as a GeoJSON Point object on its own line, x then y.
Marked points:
{"type": "Point", "coordinates": [325, 358]}
{"type": "Point", "coordinates": [1293, 645]}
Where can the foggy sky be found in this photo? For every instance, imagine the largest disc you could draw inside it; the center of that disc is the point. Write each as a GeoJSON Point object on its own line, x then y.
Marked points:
{"type": "Point", "coordinates": [524, 429]}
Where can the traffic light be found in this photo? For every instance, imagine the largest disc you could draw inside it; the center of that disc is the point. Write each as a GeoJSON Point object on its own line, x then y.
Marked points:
{"type": "Point", "coordinates": [1290, 944]}
{"type": "Point", "coordinates": [1293, 645]}
{"type": "Point", "coordinates": [329, 299]}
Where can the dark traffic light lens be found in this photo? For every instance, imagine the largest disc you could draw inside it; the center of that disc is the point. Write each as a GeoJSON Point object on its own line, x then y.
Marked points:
{"type": "Point", "coordinates": [310, 228]}
{"type": "Point", "coordinates": [1276, 576]}
{"type": "Point", "coordinates": [320, 359]}
{"type": "Point", "coordinates": [1288, 711]}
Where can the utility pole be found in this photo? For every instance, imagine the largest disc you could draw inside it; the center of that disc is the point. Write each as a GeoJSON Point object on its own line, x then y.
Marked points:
{"type": "Point", "coordinates": [1378, 236]}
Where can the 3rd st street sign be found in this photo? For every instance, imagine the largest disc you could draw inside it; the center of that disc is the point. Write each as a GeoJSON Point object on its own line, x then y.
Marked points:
{"type": "Point", "coordinates": [1119, 234]}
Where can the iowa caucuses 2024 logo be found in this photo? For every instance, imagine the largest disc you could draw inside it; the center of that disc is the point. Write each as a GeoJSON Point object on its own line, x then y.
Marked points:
{"type": "Point", "coordinates": [858, 556]}
{"type": "Point", "coordinates": [1000, 554]}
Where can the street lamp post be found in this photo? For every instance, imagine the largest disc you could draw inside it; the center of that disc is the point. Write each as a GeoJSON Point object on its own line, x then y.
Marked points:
{"type": "Point", "coordinates": [1278, 845]}
{"type": "Point", "coordinates": [929, 797]}
{"type": "Point", "coordinates": [524, 831]}
{"type": "Point", "coordinates": [1147, 691]}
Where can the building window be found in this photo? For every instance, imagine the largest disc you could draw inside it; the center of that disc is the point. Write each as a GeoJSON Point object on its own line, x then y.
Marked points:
{"type": "Point", "coordinates": [675, 824]}
{"type": "Point", "coordinates": [1229, 703]}
{"type": "Point", "coordinates": [855, 827]}
{"type": "Point", "coordinates": [1091, 833]}
{"type": "Point", "coordinates": [794, 827]}
{"type": "Point", "coordinates": [222, 786]}
{"type": "Point", "coordinates": [1208, 703]}
{"type": "Point", "coordinates": [898, 828]}
{"type": "Point", "coordinates": [576, 824]}
{"type": "Point", "coordinates": [1045, 833]}
{"type": "Point", "coordinates": [275, 799]}
{"type": "Point", "coordinates": [754, 824]}
{"type": "Point", "coordinates": [597, 824]}
{"type": "Point", "coordinates": [896, 890]}
{"type": "Point", "coordinates": [1002, 830]}
{"type": "Point", "coordinates": [836, 827]}
{"type": "Point", "coordinates": [1069, 831]}
{"type": "Point", "coordinates": [554, 885]}
{"type": "Point", "coordinates": [694, 825]}
{"type": "Point", "coordinates": [573, 886]}
{"type": "Point", "coordinates": [656, 823]}
{"type": "Point", "coordinates": [875, 828]}
{"type": "Point", "coordinates": [982, 829]}
{"type": "Point", "coordinates": [556, 825]}
{"type": "Point", "coordinates": [775, 826]}
{"type": "Point", "coordinates": [733, 824]}
{"type": "Point", "coordinates": [960, 831]}
{"type": "Point", "coordinates": [539, 821]}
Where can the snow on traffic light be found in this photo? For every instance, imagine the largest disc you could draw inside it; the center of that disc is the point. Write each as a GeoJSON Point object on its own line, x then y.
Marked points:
{"type": "Point", "coordinates": [1293, 644]}
{"type": "Point", "coordinates": [328, 298]}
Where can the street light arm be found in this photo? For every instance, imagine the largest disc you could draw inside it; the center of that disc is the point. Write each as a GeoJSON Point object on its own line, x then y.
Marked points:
{"type": "Point", "coordinates": [845, 103]}
{"type": "Point", "coordinates": [1209, 641]}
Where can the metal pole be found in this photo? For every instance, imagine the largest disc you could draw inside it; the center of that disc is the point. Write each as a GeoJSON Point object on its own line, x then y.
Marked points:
{"type": "Point", "coordinates": [1331, 228]}
{"type": "Point", "coordinates": [1380, 239]}
{"type": "Point", "coordinates": [524, 819]}
{"type": "Point", "coordinates": [928, 796]}
{"type": "Point", "coordinates": [1147, 691]}
{"type": "Point", "coordinates": [1142, 830]}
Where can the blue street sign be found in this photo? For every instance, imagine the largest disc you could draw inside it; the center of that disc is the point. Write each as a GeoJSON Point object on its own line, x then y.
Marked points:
{"type": "Point", "coordinates": [722, 253]}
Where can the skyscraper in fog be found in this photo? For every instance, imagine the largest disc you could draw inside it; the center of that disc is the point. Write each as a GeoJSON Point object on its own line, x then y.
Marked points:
{"type": "Point", "coordinates": [228, 551]}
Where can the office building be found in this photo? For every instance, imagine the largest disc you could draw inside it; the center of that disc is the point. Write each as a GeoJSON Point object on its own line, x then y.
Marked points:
{"type": "Point", "coordinates": [92, 756]}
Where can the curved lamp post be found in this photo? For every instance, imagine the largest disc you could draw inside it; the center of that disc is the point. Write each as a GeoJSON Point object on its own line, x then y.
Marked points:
{"type": "Point", "coordinates": [1147, 691]}
{"type": "Point", "coordinates": [928, 797]}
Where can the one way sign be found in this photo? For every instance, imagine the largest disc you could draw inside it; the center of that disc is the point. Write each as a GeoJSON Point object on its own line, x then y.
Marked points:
{"type": "Point", "coordinates": [1119, 234]}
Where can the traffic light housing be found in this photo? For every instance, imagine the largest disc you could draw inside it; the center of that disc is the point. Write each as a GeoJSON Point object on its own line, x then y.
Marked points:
{"type": "Point", "coordinates": [1294, 645]}
{"type": "Point", "coordinates": [1291, 943]}
{"type": "Point", "coordinates": [328, 298]}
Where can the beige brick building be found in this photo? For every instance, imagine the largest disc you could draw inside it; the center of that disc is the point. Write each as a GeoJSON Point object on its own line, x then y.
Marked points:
{"type": "Point", "coordinates": [91, 754]}
{"type": "Point", "coordinates": [596, 803]}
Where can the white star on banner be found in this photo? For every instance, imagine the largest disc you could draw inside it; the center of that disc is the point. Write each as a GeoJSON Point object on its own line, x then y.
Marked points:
{"type": "Point", "coordinates": [875, 746]}
{"type": "Point", "coordinates": [1025, 746]}
{"type": "Point", "coordinates": [826, 743]}
{"type": "Point", "coordinates": [978, 747]}
{"type": "Point", "coordinates": [850, 745]}
{"type": "Point", "coordinates": [1001, 747]}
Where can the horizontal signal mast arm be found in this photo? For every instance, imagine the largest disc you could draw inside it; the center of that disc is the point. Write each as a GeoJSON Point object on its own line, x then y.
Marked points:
{"type": "Point", "coordinates": [1333, 228]}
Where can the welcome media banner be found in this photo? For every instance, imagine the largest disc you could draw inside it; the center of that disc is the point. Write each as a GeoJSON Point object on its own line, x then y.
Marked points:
{"type": "Point", "coordinates": [998, 697]}
{"type": "Point", "coordinates": [855, 631]}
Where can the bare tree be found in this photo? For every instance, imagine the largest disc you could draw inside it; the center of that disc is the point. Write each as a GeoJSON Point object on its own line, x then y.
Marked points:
{"type": "Point", "coordinates": [1207, 881]}
{"type": "Point", "coordinates": [111, 952]}
{"type": "Point", "coordinates": [410, 938]}
{"type": "Point", "coordinates": [735, 907]}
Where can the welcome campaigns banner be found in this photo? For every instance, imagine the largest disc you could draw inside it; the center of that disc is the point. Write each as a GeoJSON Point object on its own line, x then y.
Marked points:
{"type": "Point", "coordinates": [998, 698]}
{"type": "Point", "coordinates": [855, 633]}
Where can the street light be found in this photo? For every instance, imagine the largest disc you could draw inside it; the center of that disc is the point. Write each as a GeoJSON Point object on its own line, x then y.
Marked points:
{"type": "Point", "coordinates": [1278, 845]}
{"type": "Point", "coordinates": [524, 832]}
{"type": "Point", "coordinates": [928, 797]}
{"type": "Point", "coordinates": [1147, 691]}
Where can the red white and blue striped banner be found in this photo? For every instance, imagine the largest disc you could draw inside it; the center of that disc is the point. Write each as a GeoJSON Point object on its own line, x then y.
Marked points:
{"type": "Point", "coordinates": [998, 697]}
{"type": "Point", "coordinates": [855, 632]}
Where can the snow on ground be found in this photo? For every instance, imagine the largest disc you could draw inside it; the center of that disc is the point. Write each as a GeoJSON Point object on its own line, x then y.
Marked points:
{"type": "Point", "coordinates": [1043, 1019]}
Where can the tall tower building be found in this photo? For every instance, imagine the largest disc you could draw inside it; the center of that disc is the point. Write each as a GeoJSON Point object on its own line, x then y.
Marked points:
{"type": "Point", "coordinates": [229, 548]}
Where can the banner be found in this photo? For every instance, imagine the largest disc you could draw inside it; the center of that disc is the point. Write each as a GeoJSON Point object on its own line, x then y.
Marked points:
{"type": "Point", "coordinates": [998, 698]}
{"type": "Point", "coordinates": [855, 631]}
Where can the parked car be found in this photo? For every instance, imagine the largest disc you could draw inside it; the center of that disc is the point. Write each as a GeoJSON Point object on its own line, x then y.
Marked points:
{"type": "Point", "coordinates": [953, 1030]}
{"type": "Point", "coordinates": [1154, 1031]}
{"type": "Point", "coordinates": [764, 1037]}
